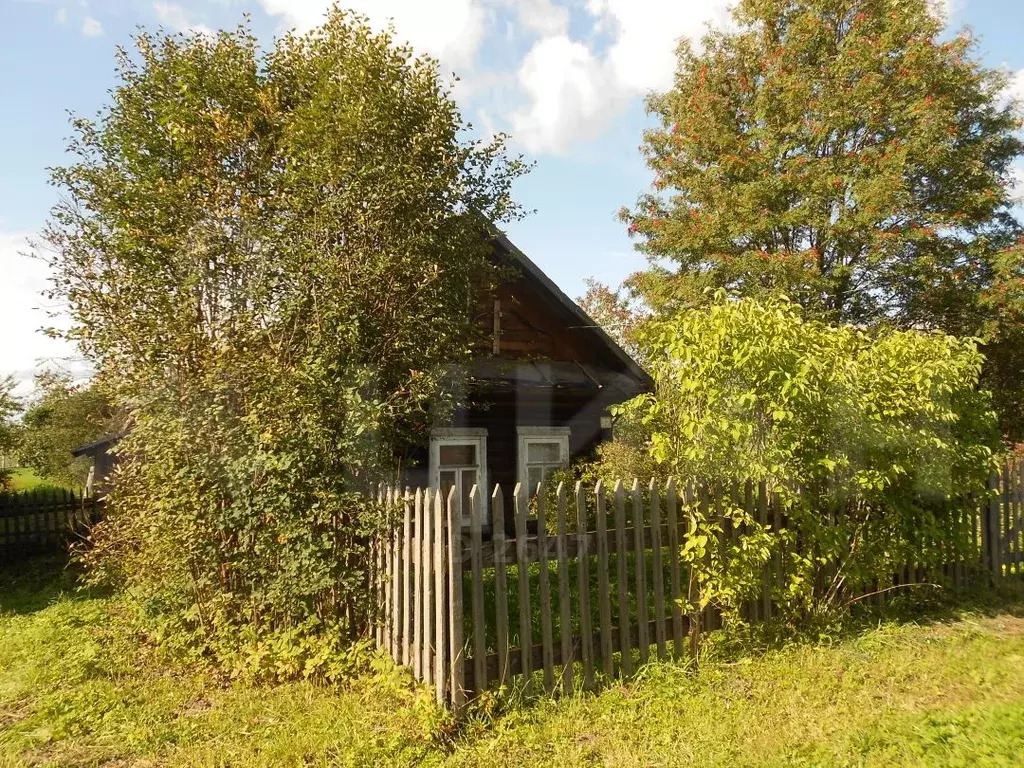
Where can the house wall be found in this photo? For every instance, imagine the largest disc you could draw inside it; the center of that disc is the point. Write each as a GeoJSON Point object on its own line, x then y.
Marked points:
{"type": "Point", "coordinates": [501, 414]}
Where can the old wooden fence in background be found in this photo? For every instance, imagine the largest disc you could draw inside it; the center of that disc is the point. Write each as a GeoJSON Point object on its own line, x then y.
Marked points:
{"type": "Point", "coordinates": [591, 589]}
{"type": "Point", "coordinates": [37, 521]}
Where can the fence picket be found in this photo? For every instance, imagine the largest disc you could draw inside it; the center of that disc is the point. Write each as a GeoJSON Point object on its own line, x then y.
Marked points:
{"type": "Point", "coordinates": [442, 657]}
{"type": "Point", "coordinates": [417, 556]}
{"type": "Point", "coordinates": [640, 566]}
{"type": "Point", "coordinates": [430, 510]}
{"type": "Point", "coordinates": [603, 591]}
{"type": "Point", "coordinates": [625, 648]}
{"type": "Point", "coordinates": [407, 614]}
{"type": "Point", "coordinates": [500, 583]}
{"type": "Point", "coordinates": [390, 581]}
{"type": "Point", "coordinates": [1004, 538]}
{"type": "Point", "coordinates": [766, 576]}
{"type": "Point", "coordinates": [564, 608]}
{"type": "Point", "coordinates": [657, 568]}
{"type": "Point", "coordinates": [476, 547]}
{"type": "Point", "coordinates": [675, 587]}
{"type": "Point", "coordinates": [547, 640]}
{"type": "Point", "coordinates": [379, 578]}
{"type": "Point", "coordinates": [456, 655]}
{"type": "Point", "coordinates": [523, 569]}
{"type": "Point", "coordinates": [583, 565]}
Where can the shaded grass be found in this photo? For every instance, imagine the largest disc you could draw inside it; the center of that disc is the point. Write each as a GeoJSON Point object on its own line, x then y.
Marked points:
{"type": "Point", "coordinates": [940, 686]}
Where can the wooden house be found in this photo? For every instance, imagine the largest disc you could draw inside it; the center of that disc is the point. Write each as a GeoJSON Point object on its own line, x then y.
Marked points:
{"type": "Point", "coordinates": [537, 399]}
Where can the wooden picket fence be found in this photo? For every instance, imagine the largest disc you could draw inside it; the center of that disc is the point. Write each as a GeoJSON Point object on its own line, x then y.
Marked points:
{"type": "Point", "coordinates": [37, 521]}
{"type": "Point", "coordinates": [464, 612]}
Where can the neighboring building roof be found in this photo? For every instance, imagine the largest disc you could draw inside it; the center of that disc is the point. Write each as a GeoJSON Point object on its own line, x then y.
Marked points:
{"type": "Point", "coordinates": [98, 446]}
{"type": "Point", "coordinates": [586, 323]}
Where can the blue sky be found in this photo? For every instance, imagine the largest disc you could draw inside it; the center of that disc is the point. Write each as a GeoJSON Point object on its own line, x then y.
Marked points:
{"type": "Point", "coordinates": [565, 77]}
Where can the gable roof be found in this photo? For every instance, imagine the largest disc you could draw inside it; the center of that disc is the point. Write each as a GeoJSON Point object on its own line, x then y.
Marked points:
{"type": "Point", "coordinates": [584, 323]}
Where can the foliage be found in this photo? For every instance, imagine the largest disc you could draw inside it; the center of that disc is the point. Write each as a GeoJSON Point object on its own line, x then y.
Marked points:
{"type": "Point", "coordinates": [618, 314]}
{"type": "Point", "coordinates": [846, 153]}
{"type": "Point", "coordinates": [61, 418]}
{"type": "Point", "coordinates": [9, 433]}
{"type": "Point", "coordinates": [268, 256]}
{"type": "Point", "coordinates": [1003, 306]}
{"type": "Point", "coordinates": [872, 440]}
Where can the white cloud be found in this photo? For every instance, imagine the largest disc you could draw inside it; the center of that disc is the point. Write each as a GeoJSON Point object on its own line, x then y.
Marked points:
{"type": "Point", "coordinates": [23, 311]}
{"type": "Point", "coordinates": [177, 18]}
{"type": "Point", "coordinates": [573, 92]}
{"type": "Point", "coordinates": [91, 27]}
{"type": "Point", "coordinates": [569, 95]}
{"type": "Point", "coordinates": [451, 30]}
{"type": "Point", "coordinates": [61, 16]}
{"type": "Point", "coordinates": [540, 16]}
{"type": "Point", "coordinates": [1015, 88]}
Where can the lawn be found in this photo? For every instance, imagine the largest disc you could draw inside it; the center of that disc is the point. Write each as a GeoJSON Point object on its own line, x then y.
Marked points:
{"type": "Point", "coordinates": [75, 689]}
{"type": "Point", "coordinates": [26, 479]}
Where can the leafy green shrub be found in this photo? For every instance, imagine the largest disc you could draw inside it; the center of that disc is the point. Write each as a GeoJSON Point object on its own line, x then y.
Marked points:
{"type": "Point", "coordinates": [872, 440]}
{"type": "Point", "coordinates": [268, 256]}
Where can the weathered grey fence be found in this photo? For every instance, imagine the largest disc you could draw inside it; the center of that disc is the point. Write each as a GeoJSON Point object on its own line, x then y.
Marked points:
{"type": "Point", "coordinates": [37, 521]}
{"type": "Point", "coordinates": [595, 588]}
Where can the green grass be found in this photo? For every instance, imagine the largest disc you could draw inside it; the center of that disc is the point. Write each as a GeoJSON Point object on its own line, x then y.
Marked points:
{"type": "Point", "coordinates": [77, 689]}
{"type": "Point", "coordinates": [26, 479]}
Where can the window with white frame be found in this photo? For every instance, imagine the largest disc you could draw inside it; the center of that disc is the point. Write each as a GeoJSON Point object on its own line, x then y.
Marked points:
{"type": "Point", "coordinates": [458, 459]}
{"type": "Point", "coordinates": [542, 450]}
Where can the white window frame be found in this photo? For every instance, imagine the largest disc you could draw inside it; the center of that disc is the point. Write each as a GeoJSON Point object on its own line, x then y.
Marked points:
{"type": "Point", "coordinates": [462, 436]}
{"type": "Point", "coordinates": [529, 435]}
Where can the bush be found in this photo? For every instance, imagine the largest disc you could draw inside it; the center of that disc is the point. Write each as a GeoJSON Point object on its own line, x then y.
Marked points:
{"type": "Point", "coordinates": [268, 256]}
{"type": "Point", "coordinates": [873, 440]}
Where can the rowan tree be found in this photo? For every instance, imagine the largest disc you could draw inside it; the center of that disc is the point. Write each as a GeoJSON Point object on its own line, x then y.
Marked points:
{"type": "Point", "coordinates": [844, 152]}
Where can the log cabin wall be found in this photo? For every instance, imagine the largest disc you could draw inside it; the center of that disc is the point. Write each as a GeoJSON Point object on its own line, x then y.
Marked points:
{"type": "Point", "coordinates": [541, 363]}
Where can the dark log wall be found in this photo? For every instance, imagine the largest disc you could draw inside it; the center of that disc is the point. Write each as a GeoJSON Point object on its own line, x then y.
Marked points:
{"type": "Point", "coordinates": [502, 412]}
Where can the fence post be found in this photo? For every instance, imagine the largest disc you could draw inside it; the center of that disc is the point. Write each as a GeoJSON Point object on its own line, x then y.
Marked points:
{"type": "Point", "coordinates": [991, 528]}
{"type": "Point", "coordinates": [640, 566]}
{"type": "Point", "coordinates": [625, 641]}
{"type": "Point", "coordinates": [675, 587]}
{"type": "Point", "coordinates": [476, 548]}
{"type": "Point", "coordinates": [417, 570]}
{"type": "Point", "coordinates": [431, 508]}
{"type": "Point", "coordinates": [658, 570]}
{"type": "Point", "coordinates": [441, 653]}
{"type": "Point", "coordinates": [500, 583]}
{"type": "Point", "coordinates": [603, 590]}
{"type": "Point", "coordinates": [456, 656]}
{"type": "Point", "coordinates": [523, 568]}
{"type": "Point", "coordinates": [407, 641]}
{"type": "Point", "coordinates": [586, 624]}
{"type": "Point", "coordinates": [564, 609]}
{"type": "Point", "coordinates": [388, 542]}
{"type": "Point", "coordinates": [547, 642]}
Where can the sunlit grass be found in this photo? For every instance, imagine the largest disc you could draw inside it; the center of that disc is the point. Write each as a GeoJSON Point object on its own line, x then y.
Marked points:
{"type": "Point", "coordinates": [77, 688]}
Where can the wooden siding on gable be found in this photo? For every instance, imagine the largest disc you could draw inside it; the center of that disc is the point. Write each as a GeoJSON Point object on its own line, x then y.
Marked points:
{"type": "Point", "coordinates": [531, 328]}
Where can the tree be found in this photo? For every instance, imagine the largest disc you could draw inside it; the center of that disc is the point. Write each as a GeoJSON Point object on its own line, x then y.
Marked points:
{"type": "Point", "coordinates": [63, 416]}
{"type": "Point", "coordinates": [9, 431]}
{"type": "Point", "coordinates": [269, 256]}
{"type": "Point", "coordinates": [838, 151]}
{"type": "Point", "coordinates": [617, 313]}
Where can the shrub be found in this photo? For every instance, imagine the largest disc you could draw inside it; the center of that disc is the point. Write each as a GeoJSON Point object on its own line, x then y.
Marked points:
{"type": "Point", "coordinates": [873, 440]}
{"type": "Point", "coordinates": [268, 256]}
